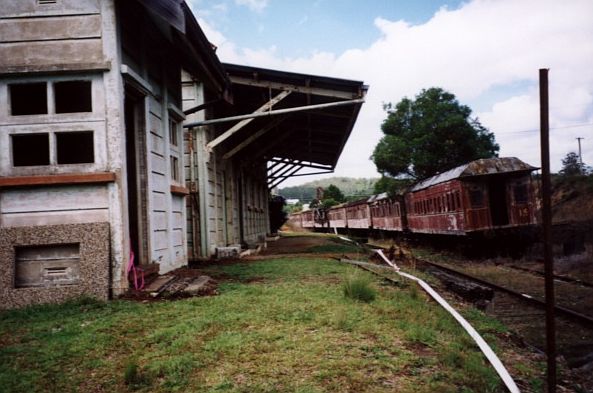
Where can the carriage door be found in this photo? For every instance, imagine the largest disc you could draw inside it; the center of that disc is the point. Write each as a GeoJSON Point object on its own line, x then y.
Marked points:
{"type": "Point", "coordinates": [497, 193]}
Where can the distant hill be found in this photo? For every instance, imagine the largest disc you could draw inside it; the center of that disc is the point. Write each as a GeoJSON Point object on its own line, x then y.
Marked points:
{"type": "Point", "coordinates": [352, 188]}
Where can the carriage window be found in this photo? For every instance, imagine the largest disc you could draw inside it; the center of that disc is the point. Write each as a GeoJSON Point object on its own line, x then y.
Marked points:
{"type": "Point", "coordinates": [520, 193]}
{"type": "Point", "coordinates": [28, 98]}
{"type": "Point", "coordinates": [476, 198]}
{"type": "Point", "coordinates": [73, 96]}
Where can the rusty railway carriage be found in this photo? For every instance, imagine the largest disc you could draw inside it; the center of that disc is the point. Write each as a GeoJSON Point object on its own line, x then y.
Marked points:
{"type": "Point", "coordinates": [308, 219]}
{"type": "Point", "coordinates": [358, 214]}
{"type": "Point", "coordinates": [387, 214]}
{"type": "Point", "coordinates": [481, 196]}
{"type": "Point", "coordinates": [337, 216]}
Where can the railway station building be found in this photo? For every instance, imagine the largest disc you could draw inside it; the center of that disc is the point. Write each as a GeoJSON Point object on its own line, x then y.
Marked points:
{"type": "Point", "coordinates": [124, 139]}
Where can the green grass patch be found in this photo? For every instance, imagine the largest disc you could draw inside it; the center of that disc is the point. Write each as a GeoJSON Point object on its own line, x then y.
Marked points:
{"type": "Point", "coordinates": [359, 287]}
{"type": "Point", "coordinates": [279, 325]}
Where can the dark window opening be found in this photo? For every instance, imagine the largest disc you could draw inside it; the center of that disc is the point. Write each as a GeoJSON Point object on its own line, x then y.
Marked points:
{"type": "Point", "coordinates": [30, 149]}
{"type": "Point", "coordinates": [520, 193]}
{"type": "Point", "coordinates": [476, 198]}
{"type": "Point", "coordinates": [75, 147]}
{"type": "Point", "coordinates": [173, 130]}
{"type": "Point", "coordinates": [28, 99]}
{"type": "Point", "coordinates": [73, 96]}
{"type": "Point", "coordinates": [174, 168]}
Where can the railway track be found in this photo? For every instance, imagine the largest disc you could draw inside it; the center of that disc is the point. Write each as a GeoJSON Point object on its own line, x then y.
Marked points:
{"type": "Point", "coordinates": [525, 313]}
{"type": "Point", "coordinates": [557, 277]}
{"type": "Point", "coordinates": [525, 316]}
{"type": "Point", "coordinates": [560, 311]}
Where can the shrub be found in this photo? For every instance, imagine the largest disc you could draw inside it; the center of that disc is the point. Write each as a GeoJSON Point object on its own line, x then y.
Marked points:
{"type": "Point", "coordinates": [359, 288]}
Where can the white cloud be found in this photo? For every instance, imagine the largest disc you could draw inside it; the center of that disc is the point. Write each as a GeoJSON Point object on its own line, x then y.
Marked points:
{"type": "Point", "coordinates": [253, 5]}
{"type": "Point", "coordinates": [477, 51]}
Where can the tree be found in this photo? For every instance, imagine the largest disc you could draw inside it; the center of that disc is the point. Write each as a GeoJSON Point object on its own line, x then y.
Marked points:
{"type": "Point", "coordinates": [429, 135]}
{"type": "Point", "coordinates": [571, 165]}
{"type": "Point", "coordinates": [333, 192]}
{"type": "Point", "coordinates": [328, 202]}
{"type": "Point", "coordinates": [391, 185]}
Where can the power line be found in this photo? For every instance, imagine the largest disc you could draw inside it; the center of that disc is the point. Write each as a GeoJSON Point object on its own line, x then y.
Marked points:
{"type": "Point", "coordinates": [551, 128]}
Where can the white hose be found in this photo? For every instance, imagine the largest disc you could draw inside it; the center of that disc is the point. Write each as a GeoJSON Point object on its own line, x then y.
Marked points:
{"type": "Point", "coordinates": [488, 352]}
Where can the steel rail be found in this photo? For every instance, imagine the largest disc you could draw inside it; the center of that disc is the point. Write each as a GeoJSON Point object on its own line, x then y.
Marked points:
{"type": "Point", "coordinates": [557, 277]}
{"type": "Point", "coordinates": [540, 303]}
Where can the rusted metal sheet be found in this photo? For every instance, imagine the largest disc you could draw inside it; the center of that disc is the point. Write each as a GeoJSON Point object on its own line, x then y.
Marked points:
{"type": "Point", "coordinates": [486, 166]}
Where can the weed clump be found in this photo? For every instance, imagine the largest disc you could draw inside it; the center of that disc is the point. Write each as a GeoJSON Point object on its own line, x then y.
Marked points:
{"type": "Point", "coordinates": [133, 377]}
{"type": "Point", "coordinates": [359, 288]}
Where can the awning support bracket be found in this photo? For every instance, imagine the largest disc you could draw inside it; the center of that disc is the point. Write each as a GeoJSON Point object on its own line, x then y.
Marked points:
{"type": "Point", "coordinates": [266, 108]}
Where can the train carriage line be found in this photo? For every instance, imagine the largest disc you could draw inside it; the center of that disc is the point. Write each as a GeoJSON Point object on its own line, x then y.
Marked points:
{"type": "Point", "coordinates": [481, 196]}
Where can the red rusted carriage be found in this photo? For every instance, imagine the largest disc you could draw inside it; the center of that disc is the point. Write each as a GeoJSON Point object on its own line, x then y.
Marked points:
{"type": "Point", "coordinates": [386, 213]}
{"type": "Point", "coordinates": [308, 219]}
{"type": "Point", "coordinates": [358, 215]}
{"type": "Point", "coordinates": [482, 195]}
{"type": "Point", "coordinates": [336, 216]}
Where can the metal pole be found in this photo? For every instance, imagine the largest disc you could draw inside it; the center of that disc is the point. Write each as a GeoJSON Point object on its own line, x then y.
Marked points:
{"type": "Point", "coordinates": [274, 112]}
{"type": "Point", "coordinates": [547, 231]}
{"type": "Point", "coordinates": [580, 155]}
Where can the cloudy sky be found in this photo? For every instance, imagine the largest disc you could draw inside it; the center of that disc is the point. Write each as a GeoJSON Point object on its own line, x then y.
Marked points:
{"type": "Point", "coordinates": [486, 52]}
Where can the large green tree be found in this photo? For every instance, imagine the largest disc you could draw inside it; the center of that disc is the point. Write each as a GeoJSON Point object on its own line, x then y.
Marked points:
{"type": "Point", "coordinates": [571, 165]}
{"type": "Point", "coordinates": [429, 135]}
{"type": "Point", "coordinates": [333, 192]}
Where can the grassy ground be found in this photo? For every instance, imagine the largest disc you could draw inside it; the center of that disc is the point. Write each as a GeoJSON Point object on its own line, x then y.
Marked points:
{"type": "Point", "coordinates": [278, 325]}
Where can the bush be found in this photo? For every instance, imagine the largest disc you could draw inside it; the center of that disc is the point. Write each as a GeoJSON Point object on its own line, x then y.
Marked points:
{"type": "Point", "coordinates": [359, 288]}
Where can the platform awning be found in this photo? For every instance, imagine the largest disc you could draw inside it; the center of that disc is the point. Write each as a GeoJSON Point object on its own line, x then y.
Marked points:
{"type": "Point", "coordinates": [297, 123]}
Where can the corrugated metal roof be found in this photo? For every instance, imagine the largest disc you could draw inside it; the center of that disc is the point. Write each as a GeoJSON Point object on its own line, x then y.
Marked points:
{"type": "Point", "coordinates": [485, 166]}
{"type": "Point", "coordinates": [378, 197]}
{"type": "Point", "coordinates": [317, 136]}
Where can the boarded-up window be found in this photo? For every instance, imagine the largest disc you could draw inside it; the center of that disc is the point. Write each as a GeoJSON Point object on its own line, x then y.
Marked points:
{"type": "Point", "coordinates": [75, 147]}
{"type": "Point", "coordinates": [73, 96]}
{"type": "Point", "coordinates": [28, 98]}
{"type": "Point", "coordinates": [47, 266]}
{"type": "Point", "coordinates": [30, 149]}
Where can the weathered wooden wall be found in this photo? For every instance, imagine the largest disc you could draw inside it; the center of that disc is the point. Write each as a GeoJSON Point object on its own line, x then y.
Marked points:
{"type": "Point", "coordinates": [35, 36]}
{"type": "Point", "coordinates": [157, 67]}
{"type": "Point", "coordinates": [70, 40]}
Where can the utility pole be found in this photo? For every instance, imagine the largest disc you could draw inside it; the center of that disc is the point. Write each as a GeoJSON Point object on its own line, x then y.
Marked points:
{"type": "Point", "coordinates": [547, 231]}
{"type": "Point", "coordinates": [580, 156]}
